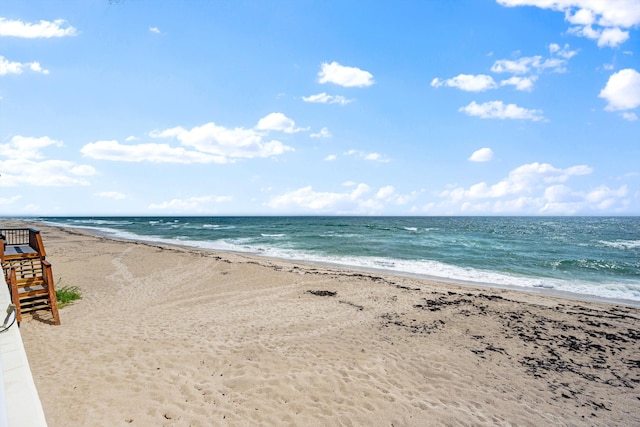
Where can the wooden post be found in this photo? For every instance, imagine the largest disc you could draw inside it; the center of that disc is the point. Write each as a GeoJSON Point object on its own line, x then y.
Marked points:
{"type": "Point", "coordinates": [37, 242]}
{"type": "Point", "coordinates": [15, 296]}
{"type": "Point", "coordinates": [3, 243]}
{"type": "Point", "coordinates": [53, 301]}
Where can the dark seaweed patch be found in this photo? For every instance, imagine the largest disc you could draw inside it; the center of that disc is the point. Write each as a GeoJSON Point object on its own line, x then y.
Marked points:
{"type": "Point", "coordinates": [323, 293]}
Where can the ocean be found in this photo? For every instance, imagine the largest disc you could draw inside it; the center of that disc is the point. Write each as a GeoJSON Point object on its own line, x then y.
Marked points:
{"type": "Point", "coordinates": [588, 256]}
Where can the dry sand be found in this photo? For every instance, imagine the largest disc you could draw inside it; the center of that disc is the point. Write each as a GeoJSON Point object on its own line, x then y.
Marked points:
{"type": "Point", "coordinates": [180, 337]}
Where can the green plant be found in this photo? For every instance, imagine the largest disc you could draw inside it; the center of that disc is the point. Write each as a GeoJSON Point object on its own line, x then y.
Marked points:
{"type": "Point", "coordinates": [67, 294]}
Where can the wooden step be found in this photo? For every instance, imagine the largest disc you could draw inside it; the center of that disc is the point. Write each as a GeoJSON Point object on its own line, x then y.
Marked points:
{"type": "Point", "coordinates": [25, 267]}
{"type": "Point", "coordinates": [34, 300]}
{"type": "Point", "coordinates": [32, 292]}
{"type": "Point", "coordinates": [35, 307]}
{"type": "Point", "coordinates": [31, 283]}
{"type": "Point", "coordinates": [31, 299]}
{"type": "Point", "coordinates": [16, 252]}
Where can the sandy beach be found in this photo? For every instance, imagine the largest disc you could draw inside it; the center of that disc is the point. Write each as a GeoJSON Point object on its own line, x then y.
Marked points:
{"type": "Point", "coordinates": [170, 336]}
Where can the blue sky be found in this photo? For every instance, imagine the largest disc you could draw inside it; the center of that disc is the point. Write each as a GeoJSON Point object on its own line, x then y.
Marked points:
{"type": "Point", "coordinates": [507, 107]}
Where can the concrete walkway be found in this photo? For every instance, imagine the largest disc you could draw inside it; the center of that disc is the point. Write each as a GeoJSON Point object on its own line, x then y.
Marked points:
{"type": "Point", "coordinates": [19, 401]}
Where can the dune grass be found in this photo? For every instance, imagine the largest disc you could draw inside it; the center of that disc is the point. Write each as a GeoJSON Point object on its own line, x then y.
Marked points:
{"type": "Point", "coordinates": [67, 294]}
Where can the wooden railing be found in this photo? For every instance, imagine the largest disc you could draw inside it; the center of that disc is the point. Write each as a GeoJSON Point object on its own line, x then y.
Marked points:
{"type": "Point", "coordinates": [27, 272]}
{"type": "Point", "coordinates": [22, 236]}
{"type": "Point", "coordinates": [16, 236]}
{"type": "Point", "coordinates": [12, 281]}
{"type": "Point", "coordinates": [51, 291]}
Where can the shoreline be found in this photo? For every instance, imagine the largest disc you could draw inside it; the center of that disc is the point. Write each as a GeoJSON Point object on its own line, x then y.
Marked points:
{"type": "Point", "coordinates": [179, 336]}
{"type": "Point", "coordinates": [443, 280]}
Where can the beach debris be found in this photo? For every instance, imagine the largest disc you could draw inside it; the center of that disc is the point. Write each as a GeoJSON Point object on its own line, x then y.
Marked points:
{"type": "Point", "coordinates": [359, 307]}
{"type": "Point", "coordinates": [414, 327]}
{"type": "Point", "coordinates": [437, 304]}
{"type": "Point", "coordinates": [406, 288]}
{"type": "Point", "coordinates": [600, 347]}
{"type": "Point", "coordinates": [323, 293]}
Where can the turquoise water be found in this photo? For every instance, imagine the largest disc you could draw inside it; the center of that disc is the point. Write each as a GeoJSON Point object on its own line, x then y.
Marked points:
{"type": "Point", "coordinates": [597, 256]}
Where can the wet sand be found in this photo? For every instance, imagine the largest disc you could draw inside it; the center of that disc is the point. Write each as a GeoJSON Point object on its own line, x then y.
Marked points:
{"type": "Point", "coordinates": [181, 337]}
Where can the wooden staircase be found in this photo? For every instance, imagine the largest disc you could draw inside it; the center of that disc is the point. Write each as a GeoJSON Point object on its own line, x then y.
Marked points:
{"type": "Point", "coordinates": [27, 272]}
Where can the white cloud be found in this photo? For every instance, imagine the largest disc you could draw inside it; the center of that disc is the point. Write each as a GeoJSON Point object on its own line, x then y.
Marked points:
{"type": "Point", "coordinates": [9, 200]}
{"type": "Point", "coordinates": [581, 17]}
{"type": "Point", "coordinates": [535, 64]}
{"type": "Point", "coordinates": [388, 194]}
{"type": "Point", "coordinates": [154, 30]}
{"type": "Point", "coordinates": [564, 51]}
{"type": "Point", "coordinates": [521, 180]}
{"type": "Point", "coordinates": [11, 67]}
{"type": "Point", "coordinates": [628, 175]}
{"type": "Point", "coordinates": [481, 82]}
{"type": "Point", "coordinates": [149, 152]}
{"type": "Point", "coordinates": [331, 157]}
{"type": "Point", "coordinates": [82, 170]}
{"type": "Point", "coordinates": [227, 143]}
{"type": "Point", "coordinates": [482, 155]}
{"type": "Point", "coordinates": [520, 83]}
{"type": "Point", "coordinates": [622, 90]}
{"type": "Point", "coordinates": [526, 64]}
{"type": "Point", "coordinates": [25, 164]}
{"type": "Point", "coordinates": [611, 37]}
{"type": "Point", "coordinates": [115, 195]}
{"type": "Point", "coordinates": [559, 193]}
{"type": "Point", "coordinates": [536, 188]}
{"type": "Point", "coordinates": [323, 98]}
{"type": "Point", "coordinates": [46, 173]}
{"type": "Point", "coordinates": [191, 204]}
{"type": "Point", "coordinates": [561, 199]}
{"type": "Point", "coordinates": [376, 157]}
{"type": "Point", "coordinates": [35, 66]}
{"type": "Point", "coordinates": [26, 147]}
{"type": "Point", "coordinates": [344, 76]}
{"type": "Point", "coordinates": [632, 117]}
{"type": "Point", "coordinates": [278, 122]}
{"type": "Point", "coordinates": [603, 194]}
{"type": "Point", "coordinates": [210, 143]}
{"type": "Point", "coordinates": [307, 198]}
{"type": "Point", "coordinates": [43, 29]}
{"type": "Point", "coordinates": [498, 110]}
{"type": "Point", "coordinates": [608, 15]}
{"type": "Point", "coordinates": [324, 133]}
{"type": "Point", "coordinates": [357, 200]}
{"type": "Point", "coordinates": [467, 82]}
